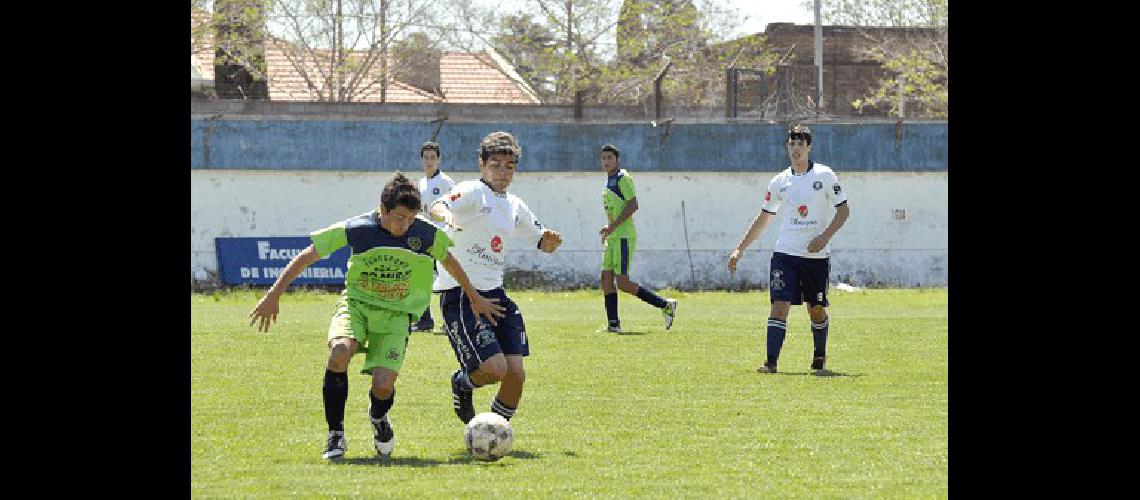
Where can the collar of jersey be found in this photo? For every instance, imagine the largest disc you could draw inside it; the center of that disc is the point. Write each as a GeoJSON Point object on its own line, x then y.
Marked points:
{"type": "Point", "coordinates": [793, 169]}
{"type": "Point", "coordinates": [437, 172]}
{"type": "Point", "coordinates": [616, 174]}
{"type": "Point", "coordinates": [496, 193]}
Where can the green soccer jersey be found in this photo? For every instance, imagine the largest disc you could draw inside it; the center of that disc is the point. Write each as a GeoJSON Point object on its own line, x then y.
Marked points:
{"type": "Point", "coordinates": [393, 272]}
{"type": "Point", "coordinates": [618, 192]}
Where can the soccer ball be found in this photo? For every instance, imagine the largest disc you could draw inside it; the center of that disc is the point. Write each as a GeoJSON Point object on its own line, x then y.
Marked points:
{"type": "Point", "coordinates": [488, 436]}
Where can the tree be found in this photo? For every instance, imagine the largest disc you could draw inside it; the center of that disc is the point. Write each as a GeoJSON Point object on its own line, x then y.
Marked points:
{"type": "Point", "coordinates": [916, 64]}
{"type": "Point", "coordinates": [530, 47]}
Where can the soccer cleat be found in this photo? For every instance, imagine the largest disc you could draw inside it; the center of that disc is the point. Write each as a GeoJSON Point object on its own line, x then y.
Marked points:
{"type": "Point", "coordinates": [461, 400]}
{"type": "Point", "coordinates": [817, 362]}
{"type": "Point", "coordinates": [336, 446]}
{"type": "Point", "coordinates": [612, 329]}
{"type": "Point", "coordinates": [670, 310]}
{"type": "Point", "coordinates": [383, 438]}
{"type": "Point", "coordinates": [768, 367]}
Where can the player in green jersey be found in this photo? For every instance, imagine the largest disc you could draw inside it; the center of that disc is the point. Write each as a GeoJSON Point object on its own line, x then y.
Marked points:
{"type": "Point", "coordinates": [387, 286]}
{"type": "Point", "coordinates": [619, 239]}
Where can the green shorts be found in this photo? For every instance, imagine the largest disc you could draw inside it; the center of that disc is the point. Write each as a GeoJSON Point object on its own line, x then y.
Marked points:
{"type": "Point", "coordinates": [382, 334]}
{"type": "Point", "coordinates": [618, 254]}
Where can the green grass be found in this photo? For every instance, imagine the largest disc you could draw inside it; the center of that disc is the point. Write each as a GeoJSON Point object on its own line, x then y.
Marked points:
{"type": "Point", "coordinates": [647, 413]}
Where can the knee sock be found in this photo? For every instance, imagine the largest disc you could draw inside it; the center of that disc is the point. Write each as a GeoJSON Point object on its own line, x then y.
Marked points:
{"type": "Point", "coordinates": [776, 330]}
{"type": "Point", "coordinates": [650, 298]}
{"type": "Point", "coordinates": [611, 309]}
{"type": "Point", "coordinates": [819, 335]}
{"type": "Point", "coordinates": [502, 409]}
{"type": "Point", "coordinates": [335, 392]}
{"type": "Point", "coordinates": [380, 407]}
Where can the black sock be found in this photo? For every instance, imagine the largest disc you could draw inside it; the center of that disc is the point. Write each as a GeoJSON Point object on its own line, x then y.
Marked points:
{"type": "Point", "coordinates": [502, 409]}
{"type": "Point", "coordinates": [777, 328]}
{"type": "Point", "coordinates": [819, 335]}
{"type": "Point", "coordinates": [650, 298]}
{"type": "Point", "coordinates": [380, 407]}
{"type": "Point", "coordinates": [335, 391]}
{"type": "Point", "coordinates": [611, 309]}
{"type": "Point", "coordinates": [426, 316]}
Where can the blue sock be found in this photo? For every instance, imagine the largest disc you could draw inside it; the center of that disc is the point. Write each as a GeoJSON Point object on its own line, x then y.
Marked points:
{"type": "Point", "coordinates": [611, 309]}
{"type": "Point", "coordinates": [819, 335]}
{"type": "Point", "coordinates": [649, 297]}
{"type": "Point", "coordinates": [776, 330]}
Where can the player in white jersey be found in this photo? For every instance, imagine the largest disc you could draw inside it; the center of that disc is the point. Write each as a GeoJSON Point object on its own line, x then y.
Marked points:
{"type": "Point", "coordinates": [434, 184]}
{"type": "Point", "coordinates": [484, 221]}
{"type": "Point", "coordinates": [801, 258]}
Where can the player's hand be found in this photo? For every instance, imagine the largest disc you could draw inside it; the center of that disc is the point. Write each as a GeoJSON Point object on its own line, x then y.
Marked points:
{"type": "Point", "coordinates": [449, 219]}
{"type": "Point", "coordinates": [484, 307]}
{"type": "Point", "coordinates": [550, 240]}
{"type": "Point", "coordinates": [817, 244]}
{"type": "Point", "coordinates": [606, 232]}
{"type": "Point", "coordinates": [266, 311]}
{"type": "Point", "coordinates": [732, 260]}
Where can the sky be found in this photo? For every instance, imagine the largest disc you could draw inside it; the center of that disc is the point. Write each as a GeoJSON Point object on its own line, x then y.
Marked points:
{"type": "Point", "coordinates": [762, 12]}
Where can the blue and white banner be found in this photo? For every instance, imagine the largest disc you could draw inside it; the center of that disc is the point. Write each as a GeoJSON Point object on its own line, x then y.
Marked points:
{"type": "Point", "coordinates": [258, 261]}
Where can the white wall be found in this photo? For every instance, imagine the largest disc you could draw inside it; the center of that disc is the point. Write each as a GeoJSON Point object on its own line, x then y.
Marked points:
{"type": "Point", "coordinates": [872, 248]}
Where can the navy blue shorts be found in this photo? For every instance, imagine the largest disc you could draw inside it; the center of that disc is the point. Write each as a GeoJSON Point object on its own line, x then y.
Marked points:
{"type": "Point", "coordinates": [799, 279]}
{"type": "Point", "coordinates": [476, 341]}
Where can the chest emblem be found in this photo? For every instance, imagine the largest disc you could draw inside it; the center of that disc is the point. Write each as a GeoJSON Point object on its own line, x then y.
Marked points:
{"type": "Point", "coordinates": [817, 185]}
{"type": "Point", "coordinates": [803, 211]}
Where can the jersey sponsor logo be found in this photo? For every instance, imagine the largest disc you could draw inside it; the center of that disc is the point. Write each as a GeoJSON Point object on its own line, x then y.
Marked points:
{"type": "Point", "coordinates": [836, 188]}
{"type": "Point", "coordinates": [435, 191]}
{"type": "Point", "coordinates": [803, 210]}
{"type": "Point", "coordinates": [817, 185]}
{"type": "Point", "coordinates": [496, 244]}
{"type": "Point", "coordinates": [455, 196]}
{"type": "Point", "coordinates": [415, 242]}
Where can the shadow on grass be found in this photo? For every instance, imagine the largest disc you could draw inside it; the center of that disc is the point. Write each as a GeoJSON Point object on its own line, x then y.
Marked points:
{"type": "Point", "coordinates": [627, 332]}
{"type": "Point", "coordinates": [822, 374]}
{"type": "Point", "coordinates": [456, 458]}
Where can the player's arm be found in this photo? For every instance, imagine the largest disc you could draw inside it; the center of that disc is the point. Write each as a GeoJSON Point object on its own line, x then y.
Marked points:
{"type": "Point", "coordinates": [480, 305]}
{"type": "Point", "coordinates": [267, 309]}
{"type": "Point", "coordinates": [440, 212]}
{"type": "Point", "coordinates": [758, 224]}
{"type": "Point", "coordinates": [841, 214]}
{"type": "Point", "coordinates": [626, 213]}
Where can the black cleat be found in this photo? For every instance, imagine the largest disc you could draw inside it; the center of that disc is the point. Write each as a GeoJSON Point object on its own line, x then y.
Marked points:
{"type": "Point", "coordinates": [421, 326]}
{"type": "Point", "coordinates": [768, 367]}
{"type": "Point", "coordinates": [817, 362]}
{"type": "Point", "coordinates": [461, 400]}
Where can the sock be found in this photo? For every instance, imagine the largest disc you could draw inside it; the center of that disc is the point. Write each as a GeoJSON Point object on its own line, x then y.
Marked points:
{"type": "Point", "coordinates": [611, 309]}
{"type": "Point", "coordinates": [426, 316]}
{"type": "Point", "coordinates": [650, 298]}
{"type": "Point", "coordinates": [335, 393]}
{"type": "Point", "coordinates": [502, 409]}
{"type": "Point", "coordinates": [819, 334]}
{"type": "Point", "coordinates": [380, 407]}
{"type": "Point", "coordinates": [776, 330]}
{"type": "Point", "coordinates": [464, 380]}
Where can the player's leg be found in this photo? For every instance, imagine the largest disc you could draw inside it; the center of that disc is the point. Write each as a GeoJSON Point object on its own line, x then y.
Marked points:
{"type": "Point", "coordinates": [783, 292]}
{"type": "Point", "coordinates": [480, 358]}
{"type": "Point", "coordinates": [387, 348]}
{"type": "Point", "coordinates": [610, 256]}
{"type": "Point", "coordinates": [814, 275]}
{"type": "Point", "coordinates": [344, 328]}
{"type": "Point", "coordinates": [426, 323]}
{"type": "Point", "coordinates": [511, 336]}
{"type": "Point", "coordinates": [626, 247]}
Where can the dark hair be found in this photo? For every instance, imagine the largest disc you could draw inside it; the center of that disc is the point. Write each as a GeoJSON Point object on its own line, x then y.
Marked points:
{"type": "Point", "coordinates": [399, 191]}
{"type": "Point", "coordinates": [611, 148]}
{"type": "Point", "coordinates": [431, 145]}
{"type": "Point", "coordinates": [499, 142]}
{"type": "Point", "coordinates": [800, 132]}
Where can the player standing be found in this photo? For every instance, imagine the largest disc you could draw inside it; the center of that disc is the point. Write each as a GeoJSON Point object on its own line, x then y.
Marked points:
{"type": "Point", "coordinates": [484, 220]}
{"type": "Point", "coordinates": [801, 258]}
{"type": "Point", "coordinates": [433, 184]}
{"type": "Point", "coordinates": [619, 240]}
{"type": "Point", "coordinates": [388, 283]}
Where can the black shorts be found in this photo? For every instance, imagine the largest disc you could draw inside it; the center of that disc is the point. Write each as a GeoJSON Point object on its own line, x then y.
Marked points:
{"type": "Point", "coordinates": [799, 279]}
{"type": "Point", "coordinates": [476, 341]}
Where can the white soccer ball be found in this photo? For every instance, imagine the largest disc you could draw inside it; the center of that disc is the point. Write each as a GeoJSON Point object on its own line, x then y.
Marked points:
{"type": "Point", "coordinates": [489, 436]}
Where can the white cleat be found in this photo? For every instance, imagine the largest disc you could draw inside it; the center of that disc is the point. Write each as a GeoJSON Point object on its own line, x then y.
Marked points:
{"type": "Point", "coordinates": [336, 446]}
{"type": "Point", "coordinates": [670, 311]}
{"type": "Point", "coordinates": [384, 439]}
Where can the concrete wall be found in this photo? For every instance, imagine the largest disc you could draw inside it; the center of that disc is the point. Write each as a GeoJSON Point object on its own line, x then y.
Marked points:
{"type": "Point", "coordinates": [873, 248]}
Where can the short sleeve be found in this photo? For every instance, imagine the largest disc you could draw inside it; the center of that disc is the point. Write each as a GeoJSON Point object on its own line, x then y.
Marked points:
{"type": "Point", "coordinates": [772, 201]}
{"type": "Point", "coordinates": [835, 193]}
{"type": "Point", "coordinates": [625, 185]}
{"type": "Point", "coordinates": [528, 224]}
{"type": "Point", "coordinates": [330, 239]}
{"type": "Point", "coordinates": [460, 198]}
{"type": "Point", "coordinates": [442, 242]}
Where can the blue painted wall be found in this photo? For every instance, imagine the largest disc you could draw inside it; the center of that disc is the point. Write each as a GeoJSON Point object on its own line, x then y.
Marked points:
{"type": "Point", "coordinates": [347, 145]}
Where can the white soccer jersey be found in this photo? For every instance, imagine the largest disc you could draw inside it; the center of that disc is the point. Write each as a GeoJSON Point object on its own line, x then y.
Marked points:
{"type": "Point", "coordinates": [490, 222]}
{"type": "Point", "coordinates": [811, 199]}
{"type": "Point", "coordinates": [431, 189]}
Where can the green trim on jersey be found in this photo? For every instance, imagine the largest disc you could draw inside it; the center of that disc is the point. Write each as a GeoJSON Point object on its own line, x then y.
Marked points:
{"type": "Point", "coordinates": [330, 239]}
{"type": "Point", "coordinates": [615, 204]}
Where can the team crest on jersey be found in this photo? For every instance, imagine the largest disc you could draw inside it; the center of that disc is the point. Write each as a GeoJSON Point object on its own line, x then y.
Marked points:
{"type": "Point", "coordinates": [496, 244]}
{"type": "Point", "coordinates": [777, 280]}
{"type": "Point", "coordinates": [803, 211]}
{"type": "Point", "coordinates": [415, 243]}
{"type": "Point", "coordinates": [817, 185]}
{"type": "Point", "coordinates": [393, 354]}
{"type": "Point", "coordinates": [435, 191]}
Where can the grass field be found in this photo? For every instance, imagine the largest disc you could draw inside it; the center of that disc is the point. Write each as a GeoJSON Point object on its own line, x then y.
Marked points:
{"type": "Point", "coordinates": [647, 413]}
